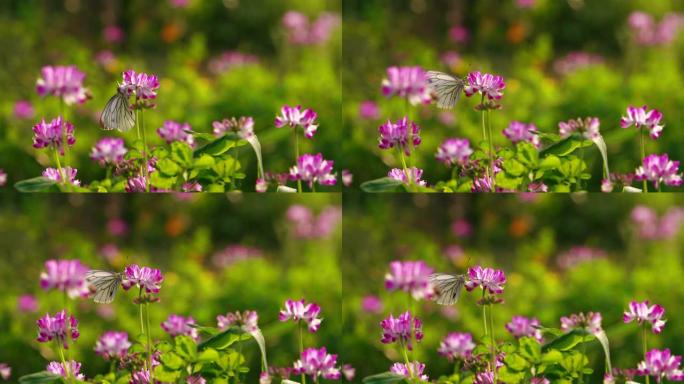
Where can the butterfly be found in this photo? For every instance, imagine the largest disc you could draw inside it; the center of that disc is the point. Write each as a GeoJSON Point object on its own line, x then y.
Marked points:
{"type": "Point", "coordinates": [105, 283]}
{"type": "Point", "coordinates": [117, 114]}
{"type": "Point", "coordinates": [447, 287]}
{"type": "Point", "coordinates": [446, 87]}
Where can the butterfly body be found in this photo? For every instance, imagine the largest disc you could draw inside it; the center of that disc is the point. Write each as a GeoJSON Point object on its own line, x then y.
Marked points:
{"type": "Point", "coordinates": [105, 284]}
{"type": "Point", "coordinates": [448, 287]}
{"type": "Point", "coordinates": [117, 114]}
{"type": "Point", "coordinates": [447, 88]}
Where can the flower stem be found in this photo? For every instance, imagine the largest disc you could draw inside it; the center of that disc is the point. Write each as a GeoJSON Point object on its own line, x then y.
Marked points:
{"type": "Point", "coordinates": [62, 172]}
{"type": "Point", "coordinates": [406, 359]}
{"type": "Point", "coordinates": [643, 156]}
{"type": "Point", "coordinates": [67, 371]}
{"type": "Point", "coordinates": [403, 164]}
{"type": "Point", "coordinates": [644, 343]}
{"type": "Point", "coordinates": [65, 145]}
{"type": "Point", "coordinates": [149, 341]}
{"type": "Point", "coordinates": [491, 150]}
{"type": "Point", "coordinates": [484, 315]}
{"type": "Point", "coordinates": [301, 348]}
{"type": "Point", "coordinates": [492, 341]}
{"type": "Point", "coordinates": [146, 173]}
{"type": "Point", "coordinates": [142, 322]}
{"type": "Point", "coordinates": [299, 182]}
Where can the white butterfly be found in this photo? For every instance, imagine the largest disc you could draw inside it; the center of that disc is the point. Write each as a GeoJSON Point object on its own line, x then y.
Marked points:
{"type": "Point", "coordinates": [117, 114]}
{"type": "Point", "coordinates": [447, 287]}
{"type": "Point", "coordinates": [446, 87]}
{"type": "Point", "coordinates": [105, 284]}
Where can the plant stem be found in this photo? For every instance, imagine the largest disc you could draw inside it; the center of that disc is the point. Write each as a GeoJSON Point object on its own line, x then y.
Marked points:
{"type": "Point", "coordinates": [406, 359]}
{"type": "Point", "coordinates": [142, 322]}
{"type": "Point", "coordinates": [146, 153]}
{"type": "Point", "coordinates": [484, 315]}
{"type": "Point", "coordinates": [643, 156]}
{"type": "Point", "coordinates": [403, 164]}
{"type": "Point", "coordinates": [149, 341]}
{"type": "Point", "coordinates": [64, 132]}
{"type": "Point", "coordinates": [491, 150]}
{"type": "Point", "coordinates": [492, 341]}
{"type": "Point", "coordinates": [299, 182]}
{"type": "Point", "coordinates": [644, 343]}
{"type": "Point", "coordinates": [62, 172]}
{"type": "Point", "coordinates": [67, 371]}
{"type": "Point", "coordinates": [301, 347]}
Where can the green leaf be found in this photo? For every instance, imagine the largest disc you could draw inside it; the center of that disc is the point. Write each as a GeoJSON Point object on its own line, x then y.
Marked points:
{"type": "Point", "coordinates": [261, 342]}
{"type": "Point", "coordinates": [256, 145]}
{"type": "Point", "coordinates": [204, 162]}
{"type": "Point", "coordinates": [222, 340]}
{"type": "Point", "coordinates": [508, 377]}
{"type": "Point", "coordinates": [166, 376]}
{"type": "Point", "coordinates": [528, 154]}
{"type": "Point", "coordinates": [562, 148]}
{"type": "Point", "coordinates": [384, 378]}
{"type": "Point", "coordinates": [172, 361]}
{"type": "Point", "coordinates": [550, 162]}
{"type": "Point", "coordinates": [603, 148]}
{"type": "Point", "coordinates": [566, 342]}
{"type": "Point", "coordinates": [168, 167]}
{"type": "Point", "coordinates": [186, 348]}
{"type": "Point", "coordinates": [219, 146]}
{"type": "Point", "coordinates": [41, 378]}
{"type": "Point", "coordinates": [603, 340]}
{"type": "Point", "coordinates": [505, 182]}
{"type": "Point", "coordinates": [181, 153]}
{"type": "Point", "coordinates": [37, 184]}
{"type": "Point", "coordinates": [384, 184]}
{"type": "Point", "coordinates": [530, 349]}
{"type": "Point", "coordinates": [551, 357]}
{"type": "Point", "coordinates": [517, 362]}
{"type": "Point", "coordinates": [514, 168]}
{"type": "Point", "coordinates": [158, 180]}
{"type": "Point", "coordinates": [208, 355]}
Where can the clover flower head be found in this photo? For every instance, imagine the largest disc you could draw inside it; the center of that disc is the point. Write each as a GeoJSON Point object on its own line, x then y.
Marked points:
{"type": "Point", "coordinates": [52, 135]}
{"type": "Point", "coordinates": [296, 117]}
{"type": "Point", "coordinates": [113, 345]}
{"type": "Point", "coordinates": [247, 320]}
{"type": "Point", "coordinates": [60, 328]}
{"type": "Point", "coordinates": [57, 368]}
{"type": "Point", "coordinates": [643, 118]}
{"type": "Point", "coordinates": [173, 131]}
{"type": "Point", "coordinates": [67, 276]}
{"type": "Point", "coordinates": [404, 328]}
{"type": "Point", "coordinates": [314, 169]}
{"type": "Point", "coordinates": [54, 174]}
{"type": "Point", "coordinates": [65, 82]}
{"type": "Point", "coordinates": [521, 326]}
{"type": "Point", "coordinates": [457, 346]}
{"type": "Point", "coordinates": [659, 170]}
{"type": "Point", "coordinates": [403, 134]}
{"type": "Point", "coordinates": [661, 364]}
{"type": "Point", "coordinates": [588, 127]}
{"type": "Point", "coordinates": [454, 152]}
{"type": "Point", "coordinates": [146, 278]}
{"type": "Point", "coordinates": [412, 277]}
{"type": "Point", "coordinates": [244, 127]}
{"type": "Point", "coordinates": [317, 363]}
{"type": "Point", "coordinates": [642, 312]}
{"type": "Point", "coordinates": [488, 85]}
{"type": "Point", "coordinates": [176, 325]}
{"type": "Point", "coordinates": [517, 132]}
{"type": "Point", "coordinates": [489, 279]}
{"type": "Point", "coordinates": [414, 369]}
{"type": "Point", "coordinates": [142, 85]}
{"type": "Point", "coordinates": [414, 176]}
{"type": "Point", "coordinates": [109, 151]}
{"type": "Point", "coordinates": [591, 321]}
{"type": "Point", "coordinates": [410, 83]}
{"type": "Point", "coordinates": [298, 310]}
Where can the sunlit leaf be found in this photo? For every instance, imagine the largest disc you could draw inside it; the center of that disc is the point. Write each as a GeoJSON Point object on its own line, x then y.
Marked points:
{"type": "Point", "coordinates": [384, 184]}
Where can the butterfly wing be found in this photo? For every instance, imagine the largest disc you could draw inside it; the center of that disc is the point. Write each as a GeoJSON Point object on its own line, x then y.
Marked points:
{"type": "Point", "coordinates": [117, 114]}
{"type": "Point", "coordinates": [105, 283]}
{"type": "Point", "coordinates": [447, 88]}
{"type": "Point", "coordinates": [448, 287]}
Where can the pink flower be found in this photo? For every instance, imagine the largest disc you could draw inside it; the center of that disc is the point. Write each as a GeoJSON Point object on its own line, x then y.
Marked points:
{"type": "Point", "coordinates": [579, 254]}
{"type": "Point", "coordinates": [347, 178]}
{"type": "Point", "coordinates": [113, 34]}
{"type": "Point", "coordinates": [136, 184]}
{"type": "Point", "coordinates": [141, 377]}
{"type": "Point", "coordinates": [662, 365]}
{"type": "Point", "coordinates": [404, 134]}
{"type": "Point", "coordinates": [369, 110]}
{"type": "Point", "coordinates": [590, 321]}
{"type": "Point", "coordinates": [244, 127]}
{"type": "Point", "coordinates": [488, 278]}
{"type": "Point", "coordinates": [415, 175]}
{"type": "Point", "coordinates": [454, 151]}
{"type": "Point", "coordinates": [176, 325]}
{"type": "Point", "coordinates": [57, 368]}
{"type": "Point", "coordinates": [457, 346]}
{"type": "Point", "coordinates": [574, 61]}
{"type": "Point", "coordinates": [173, 131]}
{"type": "Point", "coordinates": [3, 177]}
{"type": "Point", "coordinates": [313, 169]}
{"type": "Point", "coordinates": [230, 60]}
{"type": "Point", "coordinates": [112, 345]}
{"type": "Point", "coordinates": [521, 326]}
{"type": "Point", "coordinates": [451, 58]}
{"type": "Point", "coordinates": [349, 372]}
{"type": "Point", "coordinates": [195, 379]}
{"type": "Point", "coordinates": [412, 277]}
{"type": "Point", "coordinates": [261, 186]}
{"type": "Point", "coordinates": [642, 312]}
{"type": "Point", "coordinates": [52, 135]}
{"type": "Point", "coordinates": [517, 132]}
{"type": "Point", "coordinates": [461, 228]}
{"type": "Point", "coordinates": [486, 377]}
{"type": "Point", "coordinates": [27, 304]}
{"type": "Point", "coordinates": [23, 109]}
{"type": "Point", "coordinates": [412, 370]}
{"type": "Point", "coordinates": [404, 328]}
{"type": "Point", "coordinates": [144, 277]}
{"type": "Point", "coordinates": [643, 118]}
{"type": "Point", "coordinates": [659, 169]}
{"type": "Point", "coordinates": [108, 151]}
{"type": "Point", "coordinates": [486, 84]}
{"type": "Point", "coordinates": [317, 363]}
{"type": "Point", "coordinates": [371, 304]}
{"type": "Point", "coordinates": [459, 34]}
{"type": "Point", "coordinates": [301, 31]}
{"type": "Point", "coordinates": [58, 328]}
{"type": "Point", "coordinates": [407, 82]}
{"type": "Point", "coordinates": [117, 227]}
{"type": "Point", "coordinates": [191, 186]}
{"type": "Point", "coordinates": [234, 253]}
{"type": "Point", "coordinates": [142, 85]}
{"type": "Point", "coordinates": [5, 371]}
{"type": "Point", "coordinates": [55, 174]}
{"type": "Point", "coordinates": [247, 320]}
{"type": "Point", "coordinates": [587, 127]}
{"type": "Point", "coordinates": [308, 226]}
{"type": "Point", "coordinates": [67, 276]}
{"type": "Point", "coordinates": [63, 82]}
{"type": "Point", "coordinates": [301, 310]}
{"type": "Point", "coordinates": [294, 117]}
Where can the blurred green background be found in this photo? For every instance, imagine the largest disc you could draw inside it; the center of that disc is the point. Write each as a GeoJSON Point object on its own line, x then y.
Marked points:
{"type": "Point", "coordinates": [182, 236]}
{"type": "Point", "coordinates": [183, 46]}
{"type": "Point", "coordinates": [530, 238]}
{"type": "Point", "coordinates": [529, 47]}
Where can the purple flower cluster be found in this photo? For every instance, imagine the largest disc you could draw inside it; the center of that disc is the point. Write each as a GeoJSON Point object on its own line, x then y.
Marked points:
{"type": "Point", "coordinates": [112, 345]}
{"type": "Point", "coordinates": [414, 370]}
{"type": "Point", "coordinates": [407, 82]}
{"type": "Point", "coordinates": [574, 61]}
{"type": "Point", "coordinates": [173, 131]}
{"type": "Point", "coordinates": [142, 85]}
{"type": "Point", "coordinates": [521, 326]}
{"type": "Point", "coordinates": [517, 132]}
{"type": "Point", "coordinates": [306, 225]}
{"type": "Point", "coordinates": [247, 320]}
{"type": "Point", "coordinates": [643, 118]}
{"type": "Point", "coordinates": [109, 151]}
{"type": "Point", "coordinates": [579, 254]}
{"type": "Point", "coordinates": [229, 60]}
{"type": "Point", "coordinates": [590, 321]}
{"type": "Point", "coordinates": [454, 152]}
{"type": "Point", "coordinates": [457, 346]}
{"type": "Point", "coordinates": [643, 312]}
{"type": "Point", "coordinates": [234, 253]}
{"type": "Point", "coordinates": [176, 325]}
{"type": "Point", "coordinates": [67, 276]}
{"type": "Point", "coordinates": [588, 127]}
{"type": "Point", "coordinates": [659, 170]}
{"type": "Point", "coordinates": [648, 32]}
{"type": "Point", "coordinates": [23, 109]}
{"type": "Point", "coordinates": [244, 126]}
{"type": "Point", "coordinates": [63, 82]}
{"type": "Point", "coordinates": [487, 278]}
{"type": "Point", "coordinates": [662, 365]}
{"type": "Point", "coordinates": [404, 329]}
{"type": "Point", "coordinates": [412, 277]}
{"type": "Point", "coordinates": [146, 278]}
{"type": "Point", "coordinates": [55, 174]}
{"type": "Point", "coordinates": [74, 367]}
{"type": "Point", "coordinates": [314, 169]}
{"type": "Point", "coordinates": [317, 363]}
{"type": "Point", "coordinates": [296, 117]}
{"type": "Point", "coordinates": [488, 85]}
{"type": "Point", "coordinates": [650, 227]}
{"type": "Point", "coordinates": [414, 176]}
{"type": "Point", "coordinates": [59, 328]}
{"type": "Point", "coordinates": [301, 31]}
{"type": "Point", "coordinates": [301, 310]}
{"type": "Point", "coordinates": [136, 184]}
{"type": "Point", "coordinates": [52, 135]}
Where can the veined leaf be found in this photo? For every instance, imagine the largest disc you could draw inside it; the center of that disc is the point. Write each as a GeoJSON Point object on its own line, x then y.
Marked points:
{"type": "Point", "coordinates": [41, 378]}
{"type": "Point", "coordinates": [37, 184]}
{"type": "Point", "coordinates": [384, 184]}
{"type": "Point", "coordinates": [384, 378]}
